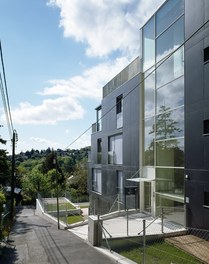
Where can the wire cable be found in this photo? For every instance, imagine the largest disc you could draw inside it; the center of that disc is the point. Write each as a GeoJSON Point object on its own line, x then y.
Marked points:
{"type": "Point", "coordinates": [5, 96]}
{"type": "Point", "coordinates": [143, 79]}
{"type": "Point", "coordinates": [5, 106]}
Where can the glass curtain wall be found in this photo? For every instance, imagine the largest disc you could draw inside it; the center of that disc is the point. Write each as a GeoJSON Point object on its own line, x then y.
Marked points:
{"type": "Point", "coordinates": [163, 67]}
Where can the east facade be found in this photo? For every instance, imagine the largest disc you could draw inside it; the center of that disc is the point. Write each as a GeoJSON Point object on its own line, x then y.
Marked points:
{"type": "Point", "coordinates": [115, 144]}
{"type": "Point", "coordinates": [160, 148]}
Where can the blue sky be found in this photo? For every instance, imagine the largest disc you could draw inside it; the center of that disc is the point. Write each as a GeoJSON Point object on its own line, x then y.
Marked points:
{"type": "Point", "coordinates": [58, 54]}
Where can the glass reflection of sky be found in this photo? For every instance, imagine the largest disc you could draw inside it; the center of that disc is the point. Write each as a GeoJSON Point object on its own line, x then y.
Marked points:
{"type": "Point", "coordinates": [170, 95]}
{"type": "Point", "coordinates": [170, 69]}
{"type": "Point", "coordinates": [170, 40]}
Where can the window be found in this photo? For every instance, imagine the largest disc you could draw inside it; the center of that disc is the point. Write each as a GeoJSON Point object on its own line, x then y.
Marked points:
{"type": "Point", "coordinates": [149, 44]}
{"type": "Point", "coordinates": [206, 198]}
{"type": "Point", "coordinates": [99, 118]}
{"type": "Point", "coordinates": [149, 93]}
{"type": "Point", "coordinates": [168, 14]}
{"type": "Point", "coordinates": [170, 180]}
{"type": "Point", "coordinates": [170, 124]}
{"type": "Point", "coordinates": [119, 104]}
{"type": "Point", "coordinates": [149, 142]}
{"type": "Point", "coordinates": [206, 54]}
{"type": "Point", "coordinates": [99, 151]}
{"type": "Point", "coordinates": [170, 153]}
{"type": "Point", "coordinates": [206, 127]}
{"type": "Point", "coordinates": [170, 40]}
{"type": "Point", "coordinates": [97, 180]}
{"type": "Point", "coordinates": [170, 95]}
{"type": "Point", "coordinates": [115, 149]}
{"type": "Point", "coordinates": [171, 68]}
{"type": "Point", "coordinates": [119, 110]}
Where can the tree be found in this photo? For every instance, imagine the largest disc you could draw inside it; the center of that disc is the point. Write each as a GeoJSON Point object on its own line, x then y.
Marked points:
{"type": "Point", "coordinates": [35, 182]}
{"type": "Point", "coordinates": [4, 166]}
{"type": "Point", "coordinates": [78, 184]}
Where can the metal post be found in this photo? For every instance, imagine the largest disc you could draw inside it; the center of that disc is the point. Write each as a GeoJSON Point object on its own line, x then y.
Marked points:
{"type": "Point", "coordinates": [162, 220]}
{"type": "Point", "coordinates": [13, 174]}
{"type": "Point", "coordinates": [144, 240]}
{"type": "Point", "coordinates": [127, 220]}
{"type": "Point", "coordinates": [57, 194]}
{"type": "Point", "coordinates": [99, 231]}
{"type": "Point", "coordinates": [118, 202]}
{"type": "Point", "coordinates": [58, 211]}
{"type": "Point", "coordinates": [66, 214]}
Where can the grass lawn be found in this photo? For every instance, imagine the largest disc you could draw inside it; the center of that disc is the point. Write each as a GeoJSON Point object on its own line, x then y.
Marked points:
{"type": "Point", "coordinates": [62, 206]}
{"type": "Point", "coordinates": [72, 219]}
{"type": "Point", "coordinates": [160, 253]}
{"type": "Point", "coordinates": [84, 206]}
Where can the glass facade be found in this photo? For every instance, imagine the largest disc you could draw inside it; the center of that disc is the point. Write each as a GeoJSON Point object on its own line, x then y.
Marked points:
{"type": "Point", "coordinates": [163, 66]}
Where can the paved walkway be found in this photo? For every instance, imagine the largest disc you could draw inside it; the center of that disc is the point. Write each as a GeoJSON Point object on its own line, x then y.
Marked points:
{"type": "Point", "coordinates": [40, 242]}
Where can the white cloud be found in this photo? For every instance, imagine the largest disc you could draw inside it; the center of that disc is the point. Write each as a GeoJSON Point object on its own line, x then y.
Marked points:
{"type": "Point", "coordinates": [89, 84]}
{"type": "Point", "coordinates": [105, 25]}
{"type": "Point", "coordinates": [81, 142]}
{"type": "Point", "coordinates": [66, 105]}
{"type": "Point", "coordinates": [44, 142]}
{"type": "Point", "coordinates": [49, 112]}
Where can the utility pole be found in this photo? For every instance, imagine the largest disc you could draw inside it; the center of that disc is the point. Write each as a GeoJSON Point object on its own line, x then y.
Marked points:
{"type": "Point", "coordinates": [57, 187]}
{"type": "Point", "coordinates": [14, 139]}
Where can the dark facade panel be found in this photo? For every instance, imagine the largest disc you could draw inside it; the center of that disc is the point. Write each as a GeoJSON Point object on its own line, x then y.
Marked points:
{"type": "Point", "coordinates": [194, 16]}
{"type": "Point", "coordinates": [194, 147]}
{"type": "Point", "coordinates": [194, 74]}
{"type": "Point", "coordinates": [194, 208]}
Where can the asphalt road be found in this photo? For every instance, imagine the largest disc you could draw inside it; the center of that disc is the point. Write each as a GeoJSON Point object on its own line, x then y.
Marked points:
{"type": "Point", "coordinates": [37, 241]}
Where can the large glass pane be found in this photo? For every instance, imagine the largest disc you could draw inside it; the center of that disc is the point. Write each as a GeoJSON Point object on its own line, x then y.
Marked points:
{"type": "Point", "coordinates": [99, 119]}
{"type": "Point", "coordinates": [170, 95]}
{"type": "Point", "coordinates": [170, 124]}
{"type": "Point", "coordinates": [149, 93]}
{"type": "Point", "coordinates": [170, 180]}
{"type": "Point", "coordinates": [171, 68]}
{"type": "Point", "coordinates": [147, 196]}
{"type": "Point", "coordinates": [118, 159]}
{"type": "Point", "coordinates": [173, 210]}
{"type": "Point", "coordinates": [97, 180]}
{"type": "Point", "coordinates": [148, 44]}
{"type": "Point", "coordinates": [115, 154]}
{"type": "Point", "coordinates": [170, 40]}
{"type": "Point", "coordinates": [149, 142]}
{"type": "Point", "coordinates": [170, 153]}
{"type": "Point", "coordinates": [168, 14]}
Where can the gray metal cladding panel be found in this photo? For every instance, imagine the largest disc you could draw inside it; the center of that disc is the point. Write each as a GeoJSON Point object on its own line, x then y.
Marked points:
{"type": "Point", "coordinates": [109, 182]}
{"type": "Point", "coordinates": [131, 146]}
{"type": "Point", "coordinates": [194, 147]}
{"type": "Point", "coordinates": [195, 191]}
{"type": "Point", "coordinates": [194, 16]}
{"type": "Point", "coordinates": [194, 74]}
{"type": "Point", "coordinates": [206, 81]}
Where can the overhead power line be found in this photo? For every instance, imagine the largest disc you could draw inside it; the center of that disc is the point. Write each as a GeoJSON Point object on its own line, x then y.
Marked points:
{"type": "Point", "coordinates": [165, 59]}
{"type": "Point", "coordinates": [5, 96]}
{"type": "Point", "coordinates": [151, 72]}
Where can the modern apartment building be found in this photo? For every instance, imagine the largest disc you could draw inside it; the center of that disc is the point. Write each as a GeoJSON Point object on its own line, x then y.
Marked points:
{"type": "Point", "coordinates": [115, 144]}
{"type": "Point", "coordinates": [165, 119]}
